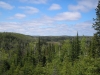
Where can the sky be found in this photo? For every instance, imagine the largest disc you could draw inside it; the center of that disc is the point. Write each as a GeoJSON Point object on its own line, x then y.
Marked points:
{"type": "Point", "coordinates": [48, 17]}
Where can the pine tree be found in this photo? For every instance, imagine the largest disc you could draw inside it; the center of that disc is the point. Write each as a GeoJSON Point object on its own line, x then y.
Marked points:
{"type": "Point", "coordinates": [75, 52]}
{"type": "Point", "coordinates": [39, 50]}
{"type": "Point", "coordinates": [95, 52]}
{"type": "Point", "coordinates": [96, 25]}
{"type": "Point", "coordinates": [77, 46]}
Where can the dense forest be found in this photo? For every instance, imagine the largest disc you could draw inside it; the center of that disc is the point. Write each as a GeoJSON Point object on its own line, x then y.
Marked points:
{"type": "Point", "coordinates": [51, 55]}
{"type": "Point", "coordinates": [26, 55]}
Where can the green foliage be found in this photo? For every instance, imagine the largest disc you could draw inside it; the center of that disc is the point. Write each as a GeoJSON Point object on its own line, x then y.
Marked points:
{"type": "Point", "coordinates": [96, 25]}
{"type": "Point", "coordinates": [95, 51]}
{"type": "Point", "coordinates": [83, 46]}
{"type": "Point", "coordinates": [26, 55]}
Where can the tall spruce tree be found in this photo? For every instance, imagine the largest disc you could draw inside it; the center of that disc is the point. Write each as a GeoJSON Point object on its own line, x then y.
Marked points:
{"type": "Point", "coordinates": [39, 50]}
{"type": "Point", "coordinates": [75, 52]}
{"type": "Point", "coordinates": [94, 47]}
{"type": "Point", "coordinates": [77, 46]}
{"type": "Point", "coordinates": [96, 25]}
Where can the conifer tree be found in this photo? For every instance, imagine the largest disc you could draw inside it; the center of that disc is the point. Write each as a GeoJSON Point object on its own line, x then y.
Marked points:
{"type": "Point", "coordinates": [75, 52]}
{"type": "Point", "coordinates": [96, 25]}
{"type": "Point", "coordinates": [39, 50]}
{"type": "Point", "coordinates": [77, 46]}
{"type": "Point", "coordinates": [95, 52]}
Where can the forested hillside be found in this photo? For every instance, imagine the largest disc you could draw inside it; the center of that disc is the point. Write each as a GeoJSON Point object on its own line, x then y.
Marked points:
{"type": "Point", "coordinates": [25, 55]}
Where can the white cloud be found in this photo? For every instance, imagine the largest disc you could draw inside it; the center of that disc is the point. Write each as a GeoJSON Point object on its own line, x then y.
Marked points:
{"type": "Point", "coordinates": [84, 5]}
{"type": "Point", "coordinates": [55, 7]}
{"type": "Point", "coordinates": [35, 1]}
{"type": "Point", "coordinates": [5, 5]}
{"type": "Point", "coordinates": [84, 28]}
{"type": "Point", "coordinates": [64, 16]}
{"type": "Point", "coordinates": [42, 27]}
{"type": "Point", "coordinates": [9, 26]}
{"type": "Point", "coordinates": [18, 16]}
{"type": "Point", "coordinates": [30, 10]}
{"type": "Point", "coordinates": [68, 16]}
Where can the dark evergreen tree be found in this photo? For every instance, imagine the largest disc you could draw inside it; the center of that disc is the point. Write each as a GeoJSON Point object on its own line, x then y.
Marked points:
{"type": "Point", "coordinates": [95, 52]}
{"type": "Point", "coordinates": [96, 25]}
{"type": "Point", "coordinates": [39, 54]}
{"type": "Point", "coordinates": [75, 48]}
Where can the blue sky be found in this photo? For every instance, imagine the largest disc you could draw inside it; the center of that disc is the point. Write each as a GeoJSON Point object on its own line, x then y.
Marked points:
{"type": "Point", "coordinates": [48, 17]}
